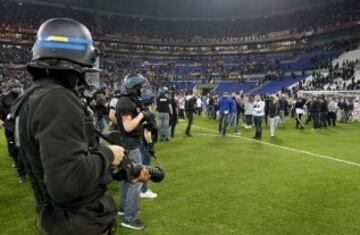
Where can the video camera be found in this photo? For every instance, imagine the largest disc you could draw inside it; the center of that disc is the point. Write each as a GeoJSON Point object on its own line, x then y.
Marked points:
{"type": "Point", "coordinates": [130, 169]}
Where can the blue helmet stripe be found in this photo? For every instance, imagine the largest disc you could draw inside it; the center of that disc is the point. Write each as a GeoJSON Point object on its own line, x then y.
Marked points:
{"type": "Point", "coordinates": [68, 39]}
{"type": "Point", "coordinates": [80, 40]}
{"type": "Point", "coordinates": [69, 46]}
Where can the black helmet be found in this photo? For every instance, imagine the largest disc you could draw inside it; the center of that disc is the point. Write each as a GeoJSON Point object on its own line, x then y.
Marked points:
{"type": "Point", "coordinates": [118, 89]}
{"type": "Point", "coordinates": [163, 91]}
{"type": "Point", "coordinates": [63, 44]}
{"type": "Point", "coordinates": [13, 83]}
{"type": "Point", "coordinates": [133, 83]}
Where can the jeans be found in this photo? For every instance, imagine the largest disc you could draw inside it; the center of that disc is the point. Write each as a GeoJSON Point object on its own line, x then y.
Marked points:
{"type": "Point", "coordinates": [163, 125]}
{"type": "Point", "coordinates": [130, 193]}
{"type": "Point", "coordinates": [282, 117]}
{"type": "Point", "coordinates": [233, 120]}
{"type": "Point", "coordinates": [316, 120]}
{"type": "Point", "coordinates": [274, 121]}
{"type": "Point", "coordinates": [100, 123]}
{"type": "Point", "coordinates": [146, 158]}
{"type": "Point", "coordinates": [258, 121]}
{"type": "Point", "coordinates": [223, 123]}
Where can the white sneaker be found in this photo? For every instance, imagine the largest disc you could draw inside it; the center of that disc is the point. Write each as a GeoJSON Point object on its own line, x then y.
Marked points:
{"type": "Point", "coordinates": [148, 194]}
{"type": "Point", "coordinates": [272, 135]}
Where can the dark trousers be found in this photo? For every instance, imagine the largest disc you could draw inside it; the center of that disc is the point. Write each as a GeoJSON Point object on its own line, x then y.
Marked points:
{"type": "Point", "coordinates": [173, 122]}
{"type": "Point", "coordinates": [189, 116]}
{"type": "Point", "coordinates": [181, 114]}
{"type": "Point", "coordinates": [316, 120]}
{"type": "Point", "coordinates": [248, 119]}
{"type": "Point", "coordinates": [223, 123]}
{"type": "Point", "coordinates": [15, 153]}
{"type": "Point", "coordinates": [331, 118]}
{"type": "Point", "coordinates": [258, 121]}
{"type": "Point", "coordinates": [145, 158]}
{"type": "Point", "coordinates": [266, 118]}
{"type": "Point", "coordinates": [298, 120]}
{"type": "Point", "coordinates": [211, 111]}
{"type": "Point", "coordinates": [323, 119]}
{"type": "Point", "coordinates": [308, 118]}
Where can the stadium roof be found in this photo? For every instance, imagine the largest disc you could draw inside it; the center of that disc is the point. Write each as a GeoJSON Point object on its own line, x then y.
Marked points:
{"type": "Point", "coordinates": [191, 9]}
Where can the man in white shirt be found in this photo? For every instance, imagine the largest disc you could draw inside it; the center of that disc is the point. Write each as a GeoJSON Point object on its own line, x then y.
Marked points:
{"type": "Point", "coordinates": [198, 106]}
{"type": "Point", "coordinates": [258, 113]}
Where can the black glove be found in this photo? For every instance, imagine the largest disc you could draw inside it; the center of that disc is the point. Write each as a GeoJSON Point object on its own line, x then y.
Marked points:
{"type": "Point", "coordinates": [151, 150]}
{"type": "Point", "coordinates": [147, 115]}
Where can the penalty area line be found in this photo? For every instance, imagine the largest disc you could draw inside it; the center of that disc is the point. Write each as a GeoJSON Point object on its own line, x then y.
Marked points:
{"type": "Point", "coordinates": [281, 147]}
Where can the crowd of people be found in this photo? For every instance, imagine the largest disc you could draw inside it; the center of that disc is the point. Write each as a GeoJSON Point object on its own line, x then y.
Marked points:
{"type": "Point", "coordinates": [251, 111]}
{"type": "Point", "coordinates": [206, 69]}
{"type": "Point", "coordinates": [330, 78]}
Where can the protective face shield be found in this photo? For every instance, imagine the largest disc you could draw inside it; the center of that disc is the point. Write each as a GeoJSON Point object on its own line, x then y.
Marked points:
{"type": "Point", "coordinates": [133, 83]}
{"type": "Point", "coordinates": [146, 97]}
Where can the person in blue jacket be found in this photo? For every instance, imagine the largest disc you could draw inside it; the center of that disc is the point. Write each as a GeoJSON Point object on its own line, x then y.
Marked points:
{"type": "Point", "coordinates": [224, 112]}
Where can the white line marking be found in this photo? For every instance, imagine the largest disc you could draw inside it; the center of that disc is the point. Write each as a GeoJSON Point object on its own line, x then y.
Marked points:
{"type": "Point", "coordinates": [281, 147]}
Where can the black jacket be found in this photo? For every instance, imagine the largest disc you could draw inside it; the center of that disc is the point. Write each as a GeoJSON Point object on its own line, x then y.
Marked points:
{"type": "Point", "coordinates": [283, 104]}
{"type": "Point", "coordinates": [274, 109]}
{"type": "Point", "coordinates": [69, 181]}
{"type": "Point", "coordinates": [5, 106]}
{"type": "Point", "coordinates": [315, 107]}
{"type": "Point", "coordinates": [324, 106]}
{"type": "Point", "coordinates": [190, 102]}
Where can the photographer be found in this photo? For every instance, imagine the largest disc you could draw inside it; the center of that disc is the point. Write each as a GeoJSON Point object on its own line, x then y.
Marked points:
{"type": "Point", "coordinates": [129, 116]}
{"type": "Point", "coordinates": [55, 132]}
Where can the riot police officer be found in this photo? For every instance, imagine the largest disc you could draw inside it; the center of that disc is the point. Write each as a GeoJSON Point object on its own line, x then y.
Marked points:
{"type": "Point", "coordinates": [67, 172]}
{"type": "Point", "coordinates": [7, 101]}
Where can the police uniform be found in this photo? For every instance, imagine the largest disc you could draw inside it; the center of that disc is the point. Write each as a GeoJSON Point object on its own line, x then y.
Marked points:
{"type": "Point", "coordinates": [9, 123]}
{"type": "Point", "coordinates": [69, 177]}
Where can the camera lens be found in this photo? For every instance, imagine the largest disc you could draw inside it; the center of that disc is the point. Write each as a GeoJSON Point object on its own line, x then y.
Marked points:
{"type": "Point", "coordinates": [156, 174]}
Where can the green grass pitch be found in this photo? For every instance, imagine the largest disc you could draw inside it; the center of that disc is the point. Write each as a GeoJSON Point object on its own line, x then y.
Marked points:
{"type": "Point", "coordinates": [232, 185]}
